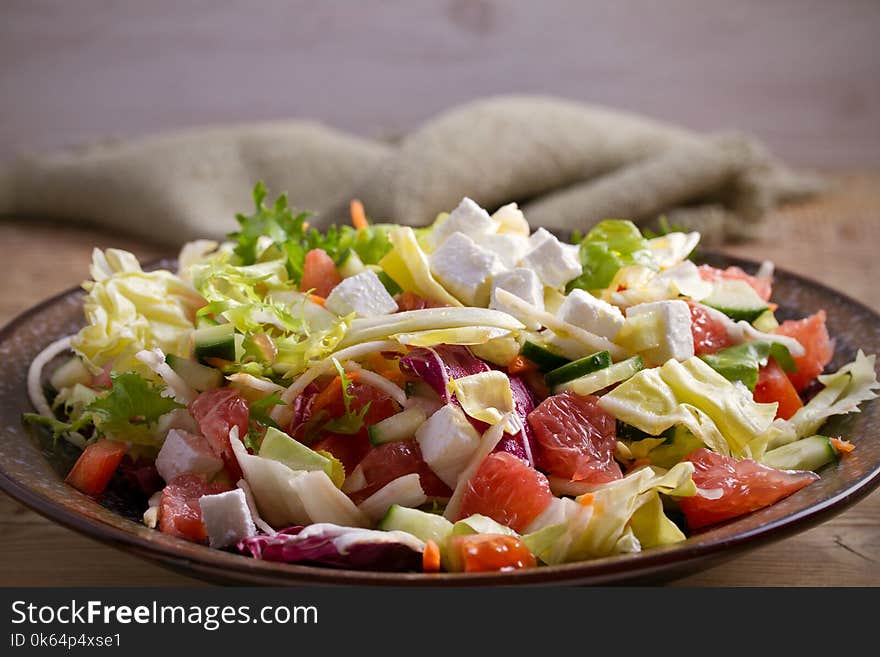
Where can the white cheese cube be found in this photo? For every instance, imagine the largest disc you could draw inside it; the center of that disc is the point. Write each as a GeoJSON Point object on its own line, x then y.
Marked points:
{"type": "Point", "coordinates": [509, 248]}
{"type": "Point", "coordinates": [362, 294]}
{"type": "Point", "coordinates": [552, 261]}
{"type": "Point", "coordinates": [184, 452]}
{"type": "Point", "coordinates": [676, 340]}
{"type": "Point", "coordinates": [520, 282]}
{"type": "Point", "coordinates": [447, 441]}
{"type": "Point", "coordinates": [465, 269]}
{"type": "Point", "coordinates": [511, 220]}
{"type": "Point", "coordinates": [227, 518]}
{"type": "Point", "coordinates": [468, 218]}
{"type": "Point", "coordinates": [591, 314]}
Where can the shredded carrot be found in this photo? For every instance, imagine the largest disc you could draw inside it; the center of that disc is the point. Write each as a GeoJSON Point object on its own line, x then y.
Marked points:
{"type": "Point", "coordinates": [842, 446]}
{"type": "Point", "coordinates": [358, 216]}
{"type": "Point", "coordinates": [520, 364]}
{"type": "Point", "coordinates": [431, 557]}
{"type": "Point", "coordinates": [219, 363]}
{"type": "Point", "coordinates": [387, 368]}
{"type": "Point", "coordinates": [315, 298]}
{"type": "Point", "coordinates": [586, 499]}
{"type": "Point", "coordinates": [328, 396]}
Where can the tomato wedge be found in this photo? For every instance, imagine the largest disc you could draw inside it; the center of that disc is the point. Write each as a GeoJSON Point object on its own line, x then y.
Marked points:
{"type": "Point", "coordinates": [319, 273]}
{"type": "Point", "coordinates": [95, 467]}
{"type": "Point", "coordinates": [473, 553]}
{"type": "Point", "coordinates": [774, 386]}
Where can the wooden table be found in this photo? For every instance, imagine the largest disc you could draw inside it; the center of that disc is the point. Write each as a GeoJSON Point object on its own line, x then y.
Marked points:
{"type": "Point", "coordinates": [835, 238]}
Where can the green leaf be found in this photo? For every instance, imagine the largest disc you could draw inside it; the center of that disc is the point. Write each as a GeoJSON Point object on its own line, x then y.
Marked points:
{"type": "Point", "coordinates": [56, 426]}
{"type": "Point", "coordinates": [260, 420]}
{"type": "Point", "coordinates": [293, 239]}
{"type": "Point", "coordinates": [129, 408]}
{"type": "Point", "coordinates": [609, 246]}
{"type": "Point", "coordinates": [742, 362]}
{"type": "Point", "coordinates": [351, 422]}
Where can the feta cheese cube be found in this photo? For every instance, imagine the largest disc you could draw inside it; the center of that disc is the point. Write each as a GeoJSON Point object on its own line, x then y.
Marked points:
{"type": "Point", "coordinates": [465, 269]}
{"type": "Point", "coordinates": [184, 452]}
{"type": "Point", "coordinates": [227, 518]}
{"type": "Point", "coordinates": [676, 340]}
{"type": "Point", "coordinates": [447, 441]}
{"type": "Point", "coordinates": [511, 220]}
{"type": "Point", "coordinates": [554, 264]}
{"type": "Point", "coordinates": [509, 248]}
{"type": "Point", "coordinates": [591, 314]}
{"type": "Point", "coordinates": [362, 294]}
{"type": "Point", "coordinates": [523, 283]}
{"type": "Point", "coordinates": [468, 218]}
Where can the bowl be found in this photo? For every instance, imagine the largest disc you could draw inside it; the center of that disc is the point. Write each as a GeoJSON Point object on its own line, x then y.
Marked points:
{"type": "Point", "coordinates": [32, 472]}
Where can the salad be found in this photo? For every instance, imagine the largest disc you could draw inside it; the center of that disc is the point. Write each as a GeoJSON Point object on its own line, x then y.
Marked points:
{"type": "Point", "coordinates": [470, 396]}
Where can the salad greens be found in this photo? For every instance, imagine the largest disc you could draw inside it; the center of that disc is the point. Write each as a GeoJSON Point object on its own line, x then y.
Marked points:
{"type": "Point", "coordinates": [608, 247]}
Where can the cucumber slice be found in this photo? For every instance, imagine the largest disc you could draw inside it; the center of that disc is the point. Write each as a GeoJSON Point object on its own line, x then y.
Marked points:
{"type": "Point", "coordinates": [203, 322]}
{"type": "Point", "coordinates": [198, 376]}
{"type": "Point", "coordinates": [542, 356]}
{"type": "Point", "coordinates": [400, 426]}
{"type": "Point", "coordinates": [574, 370]}
{"type": "Point", "coordinates": [596, 381]}
{"type": "Point", "coordinates": [215, 342]}
{"type": "Point", "coordinates": [736, 299]}
{"type": "Point", "coordinates": [805, 454]}
{"type": "Point", "coordinates": [280, 447]}
{"type": "Point", "coordinates": [349, 264]}
{"type": "Point", "coordinates": [766, 322]}
{"type": "Point", "coordinates": [392, 287]}
{"type": "Point", "coordinates": [421, 524]}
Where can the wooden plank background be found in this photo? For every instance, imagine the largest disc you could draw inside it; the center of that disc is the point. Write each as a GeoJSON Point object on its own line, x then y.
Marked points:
{"type": "Point", "coordinates": [800, 74]}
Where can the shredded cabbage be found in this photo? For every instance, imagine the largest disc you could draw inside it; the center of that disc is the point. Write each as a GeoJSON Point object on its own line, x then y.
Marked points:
{"type": "Point", "coordinates": [721, 414]}
{"type": "Point", "coordinates": [129, 310]}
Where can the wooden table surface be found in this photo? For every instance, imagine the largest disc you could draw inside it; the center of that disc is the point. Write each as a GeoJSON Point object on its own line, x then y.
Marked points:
{"type": "Point", "coordinates": [834, 239]}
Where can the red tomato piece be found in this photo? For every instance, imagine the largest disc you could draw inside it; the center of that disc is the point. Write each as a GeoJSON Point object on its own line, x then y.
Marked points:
{"type": "Point", "coordinates": [411, 301]}
{"type": "Point", "coordinates": [179, 511]}
{"type": "Point", "coordinates": [95, 467]}
{"type": "Point", "coordinates": [216, 412]}
{"type": "Point", "coordinates": [387, 462]}
{"type": "Point", "coordinates": [744, 486]}
{"type": "Point", "coordinates": [320, 275]}
{"type": "Point", "coordinates": [761, 286]}
{"type": "Point", "coordinates": [774, 386]}
{"type": "Point", "coordinates": [474, 553]}
{"type": "Point", "coordinates": [710, 335]}
{"type": "Point", "coordinates": [576, 438]}
{"type": "Point", "coordinates": [348, 448]}
{"type": "Point", "coordinates": [507, 490]}
{"type": "Point", "coordinates": [812, 333]}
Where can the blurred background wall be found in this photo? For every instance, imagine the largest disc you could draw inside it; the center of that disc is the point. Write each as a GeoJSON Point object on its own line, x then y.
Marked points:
{"type": "Point", "coordinates": [801, 74]}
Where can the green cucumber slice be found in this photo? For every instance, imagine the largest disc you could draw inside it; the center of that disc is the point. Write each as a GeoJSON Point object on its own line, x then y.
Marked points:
{"type": "Point", "coordinates": [198, 376]}
{"type": "Point", "coordinates": [736, 299]}
{"type": "Point", "coordinates": [215, 342]}
{"type": "Point", "coordinates": [400, 426]}
{"type": "Point", "coordinates": [596, 381]}
{"type": "Point", "coordinates": [576, 369]}
{"type": "Point", "coordinates": [349, 264]}
{"type": "Point", "coordinates": [421, 524]}
{"type": "Point", "coordinates": [542, 356]}
{"type": "Point", "coordinates": [805, 454]}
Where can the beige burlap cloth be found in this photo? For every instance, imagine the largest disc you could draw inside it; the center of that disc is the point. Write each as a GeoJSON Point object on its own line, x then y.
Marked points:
{"type": "Point", "coordinates": [567, 164]}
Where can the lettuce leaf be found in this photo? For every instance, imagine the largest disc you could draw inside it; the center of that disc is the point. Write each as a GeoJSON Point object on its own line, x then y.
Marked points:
{"type": "Point", "coordinates": [609, 246]}
{"type": "Point", "coordinates": [605, 521]}
{"type": "Point", "coordinates": [742, 362]}
{"type": "Point", "coordinates": [128, 310]}
{"type": "Point", "coordinates": [129, 411]}
{"type": "Point", "coordinates": [289, 235]}
{"type": "Point", "coordinates": [844, 390]}
{"type": "Point", "coordinates": [721, 414]}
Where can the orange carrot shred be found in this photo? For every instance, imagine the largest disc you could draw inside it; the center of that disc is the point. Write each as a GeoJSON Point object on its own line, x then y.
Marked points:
{"type": "Point", "coordinates": [431, 557]}
{"type": "Point", "coordinates": [316, 298]}
{"type": "Point", "coordinates": [586, 499]}
{"type": "Point", "coordinates": [842, 446]}
{"type": "Point", "coordinates": [358, 216]}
